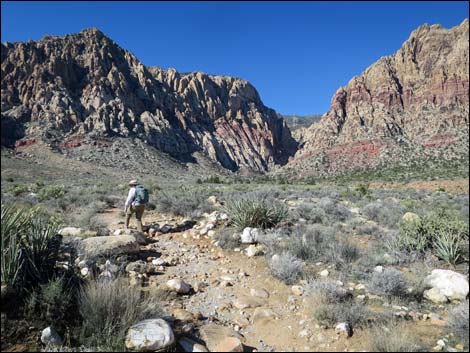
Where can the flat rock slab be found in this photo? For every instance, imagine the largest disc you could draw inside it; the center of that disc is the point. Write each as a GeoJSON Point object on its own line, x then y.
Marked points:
{"type": "Point", "coordinates": [246, 302]}
{"type": "Point", "coordinates": [109, 246]}
{"type": "Point", "coordinates": [214, 334]}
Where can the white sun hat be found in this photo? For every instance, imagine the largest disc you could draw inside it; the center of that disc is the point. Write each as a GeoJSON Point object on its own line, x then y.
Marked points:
{"type": "Point", "coordinates": [133, 182]}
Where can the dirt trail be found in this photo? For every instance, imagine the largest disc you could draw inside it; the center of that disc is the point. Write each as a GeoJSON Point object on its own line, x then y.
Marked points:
{"type": "Point", "coordinates": [199, 262]}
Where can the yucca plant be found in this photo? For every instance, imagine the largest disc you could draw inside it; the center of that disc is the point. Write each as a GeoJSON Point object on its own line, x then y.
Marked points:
{"type": "Point", "coordinates": [256, 213]}
{"type": "Point", "coordinates": [447, 246]}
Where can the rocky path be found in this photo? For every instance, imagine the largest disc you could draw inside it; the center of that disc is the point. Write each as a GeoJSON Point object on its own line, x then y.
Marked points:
{"type": "Point", "coordinates": [230, 294]}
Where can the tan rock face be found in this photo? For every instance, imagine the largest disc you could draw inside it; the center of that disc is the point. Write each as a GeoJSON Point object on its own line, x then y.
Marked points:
{"type": "Point", "coordinates": [419, 95]}
{"type": "Point", "coordinates": [86, 84]}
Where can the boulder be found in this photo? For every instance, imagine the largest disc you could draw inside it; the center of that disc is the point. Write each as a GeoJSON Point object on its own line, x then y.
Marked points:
{"type": "Point", "coordinates": [149, 335]}
{"type": "Point", "coordinates": [452, 285]}
{"type": "Point", "coordinates": [344, 328]}
{"type": "Point", "coordinates": [50, 337]}
{"type": "Point", "coordinates": [179, 286]}
{"type": "Point", "coordinates": [108, 246]}
{"type": "Point", "coordinates": [249, 235]}
{"type": "Point", "coordinates": [139, 236]}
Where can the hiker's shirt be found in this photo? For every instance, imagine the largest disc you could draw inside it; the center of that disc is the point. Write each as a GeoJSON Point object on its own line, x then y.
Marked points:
{"type": "Point", "coordinates": [130, 199]}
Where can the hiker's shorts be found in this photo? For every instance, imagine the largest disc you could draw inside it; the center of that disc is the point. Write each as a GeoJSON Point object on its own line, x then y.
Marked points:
{"type": "Point", "coordinates": [138, 210]}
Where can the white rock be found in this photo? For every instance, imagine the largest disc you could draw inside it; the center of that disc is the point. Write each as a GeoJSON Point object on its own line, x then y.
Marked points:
{"type": "Point", "coordinates": [378, 269]}
{"type": "Point", "coordinates": [150, 335]}
{"type": "Point", "coordinates": [297, 290]}
{"type": "Point", "coordinates": [253, 250]}
{"type": "Point", "coordinates": [178, 286]}
{"type": "Point", "coordinates": [211, 233]}
{"type": "Point", "coordinates": [84, 271]}
{"type": "Point", "coordinates": [450, 284]}
{"type": "Point", "coordinates": [70, 231]}
{"type": "Point", "coordinates": [249, 235]}
{"type": "Point", "coordinates": [324, 273]}
{"type": "Point", "coordinates": [49, 336]}
{"type": "Point", "coordinates": [344, 328]}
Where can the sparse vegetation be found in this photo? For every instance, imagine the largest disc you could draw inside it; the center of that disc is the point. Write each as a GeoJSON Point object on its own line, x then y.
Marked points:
{"type": "Point", "coordinates": [286, 267]}
{"type": "Point", "coordinates": [392, 337]}
{"type": "Point", "coordinates": [390, 283]}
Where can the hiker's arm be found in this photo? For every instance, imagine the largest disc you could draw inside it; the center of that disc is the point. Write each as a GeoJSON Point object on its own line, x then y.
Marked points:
{"type": "Point", "coordinates": [130, 198]}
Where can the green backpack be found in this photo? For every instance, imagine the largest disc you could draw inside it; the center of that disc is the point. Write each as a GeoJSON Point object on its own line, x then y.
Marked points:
{"type": "Point", "coordinates": [141, 195]}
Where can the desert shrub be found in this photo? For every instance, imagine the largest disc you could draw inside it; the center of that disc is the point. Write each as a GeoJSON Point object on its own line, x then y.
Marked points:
{"type": "Point", "coordinates": [441, 232]}
{"type": "Point", "coordinates": [226, 239]}
{"type": "Point", "coordinates": [310, 213]}
{"type": "Point", "coordinates": [50, 302]}
{"type": "Point", "coordinates": [310, 242]}
{"type": "Point", "coordinates": [327, 292]}
{"type": "Point", "coordinates": [19, 189]}
{"type": "Point", "coordinates": [51, 192]}
{"type": "Point", "coordinates": [109, 308]}
{"type": "Point", "coordinates": [286, 267]}
{"type": "Point", "coordinates": [342, 253]}
{"type": "Point", "coordinates": [255, 212]}
{"type": "Point", "coordinates": [392, 337]}
{"type": "Point", "coordinates": [29, 245]}
{"type": "Point", "coordinates": [387, 213]}
{"type": "Point", "coordinates": [390, 283]}
{"type": "Point", "coordinates": [458, 323]}
{"type": "Point", "coordinates": [183, 202]}
{"type": "Point", "coordinates": [330, 314]}
{"type": "Point", "coordinates": [334, 211]}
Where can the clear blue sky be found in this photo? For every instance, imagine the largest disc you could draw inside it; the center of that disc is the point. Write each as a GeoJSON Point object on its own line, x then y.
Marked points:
{"type": "Point", "coordinates": [297, 54]}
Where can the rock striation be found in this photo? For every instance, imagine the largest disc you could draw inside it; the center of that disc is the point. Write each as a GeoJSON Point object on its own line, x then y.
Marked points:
{"type": "Point", "coordinates": [419, 95]}
{"type": "Point", "coordinates": [86, 85]}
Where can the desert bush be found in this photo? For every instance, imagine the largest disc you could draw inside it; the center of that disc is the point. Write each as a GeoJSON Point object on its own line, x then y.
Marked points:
{"type": "Point", "coordinates": [390, 283]}
{"type": "Point", "coordinates": [342, 253]}
{"type": "Point", "coordinates": [441, 232]}
{"type": "Point", "coordinates": [327, 292]}
{"type": "Point", "coordinates": [286, 267]}
{"type": "Point", "coordinates": [330, 314]}
{"type": "Point", "coordinates": [255, 212]}
{"type": "Point", "coordinates": [334, 211]}
{"type": "Point", "coordinates": [50, 302]}
{"type": "Point", "coordinates": [387, 213]}
{"type": "Point", "coordinates": [310, 213]}
{"type": "Point", "coordinates": [310, 242]}
{"type": "Point", "coordinates": [51, 192]}
{"type": "Point", "coordinates": [183, 202]}
{"type": "Point", "coordinates": [458, 323]}
{"type": "Point", "coordinates": [226, 239]}
{"type": "Point", "coordinates": [392, 337]}
{"type": "Point", "coordinates": [109, 308]}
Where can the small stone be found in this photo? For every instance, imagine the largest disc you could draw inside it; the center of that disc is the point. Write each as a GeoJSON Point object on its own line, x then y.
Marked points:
{"type": "Point", "coordinates": [344, 328]}
{"type": "Point", "coordinates": [324, 273]}
{"type": "Point", "coordinates": [189, 345]}
{"type": "Point", "coordinates": [230, 344]}
{"type": "Point", "coordinates": [178, 286]}
{"type": "Point", "coordinates": [297, 290]}
{"type": "Point", "coordinates": [378, 269]}
{"type": "Point", "coordinates": [49, 336]}
{"type": "Point", "coordinates": [260, 293]}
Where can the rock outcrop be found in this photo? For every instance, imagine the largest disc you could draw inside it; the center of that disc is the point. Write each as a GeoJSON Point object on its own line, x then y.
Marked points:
{"type": "Point", "coordinates": [85, 84]}
{"type": "Point", "coordinates": [419, 95]}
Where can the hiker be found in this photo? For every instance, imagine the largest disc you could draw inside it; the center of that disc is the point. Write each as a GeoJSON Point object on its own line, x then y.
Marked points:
{"type": "Point", "coordinates": [135, 203]}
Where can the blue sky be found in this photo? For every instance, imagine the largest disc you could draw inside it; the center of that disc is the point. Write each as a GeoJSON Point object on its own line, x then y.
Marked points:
{"type": "Point", "coordinates": [297, 54]}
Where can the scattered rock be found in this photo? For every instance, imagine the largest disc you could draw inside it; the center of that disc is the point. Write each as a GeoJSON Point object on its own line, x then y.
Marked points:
{"type": "Point", "coordinates": [247, 302]}
{"type": "Point", "coordinates": [297, 290]}
{"type": "Point", "coordinates": [254, 250]}
{"type": "Point", "coordinates": [49, 336]}
{"type": "Point", "coordinates": [324, 273]}
{"type": "Point", "coordinates": [178, 286]}
{"type": "Point", "coordinates": [182, 315]}
{"type": "Point", "coordinates": [259, 292]}
{"type": "Point", "coordinates": [150, 335]}
{"type": "Point", "coordinates": [379, 269]}
{"type": "Point", "coordinates": [263, 314]}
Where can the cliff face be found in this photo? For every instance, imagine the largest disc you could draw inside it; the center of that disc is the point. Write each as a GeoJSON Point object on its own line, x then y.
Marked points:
{"type": "Point", "coordinates": [418, 95]}
{"type": "Point", "coordinates": [86, 85]}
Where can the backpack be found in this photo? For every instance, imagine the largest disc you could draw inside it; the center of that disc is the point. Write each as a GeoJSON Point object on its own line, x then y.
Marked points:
{"type": "Point", "coordinates": [141, 195]}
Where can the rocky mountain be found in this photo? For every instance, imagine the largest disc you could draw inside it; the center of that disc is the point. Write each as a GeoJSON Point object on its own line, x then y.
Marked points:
{"type": "Point", "coordinates": [418, 97]}
{"type": "Point", "coordinates": [68, 89]}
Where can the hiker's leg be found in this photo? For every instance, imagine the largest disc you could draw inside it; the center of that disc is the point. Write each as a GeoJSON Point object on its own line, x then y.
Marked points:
{"type": "Point", "coordinates": [139, 212]}
{"type": "Point", "coordinates": [128, 216]}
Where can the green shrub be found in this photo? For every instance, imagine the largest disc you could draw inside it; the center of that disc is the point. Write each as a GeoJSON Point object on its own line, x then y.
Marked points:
{"type": "Point", "coordinates": [441, 232]}
{"type": "Point", "coordinates": [255, 212]}
{"type": "Point", "coordinates": [109, 308]}
{"type": "Point", "coordinates": [51, 192]}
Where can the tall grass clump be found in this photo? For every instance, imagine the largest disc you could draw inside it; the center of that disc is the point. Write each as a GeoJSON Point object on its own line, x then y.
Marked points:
{"type": "Point", "coordinates": [255, 212]}
{"type": "Point", "coordinates": [392, 337]}
{"type": "Point", "coordinates": [109, 308]}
